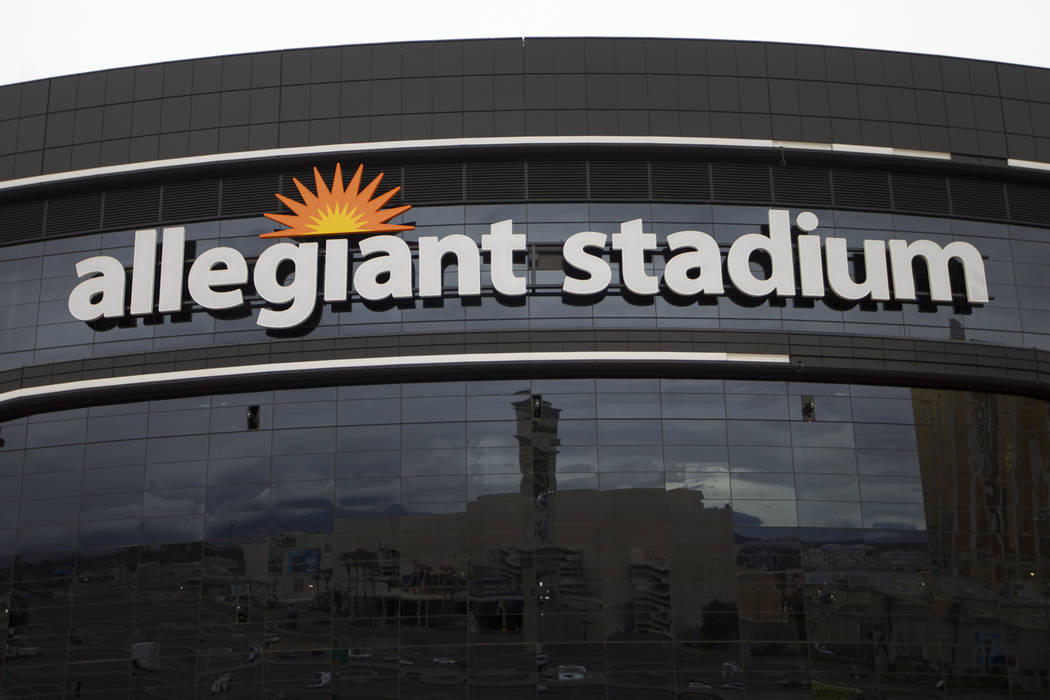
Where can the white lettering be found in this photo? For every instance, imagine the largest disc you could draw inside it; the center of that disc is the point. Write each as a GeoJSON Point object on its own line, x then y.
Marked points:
{"type": "Point", "coordinates": [501, 244]}
{"type": "Point", "coordinates": [217, 267]}
{"type": "Point", "coordinates": [301, 291]}
{"type": "Point", "coordinates": [395, 264]}
{"type": "Point", "coordinates": [599, 274]}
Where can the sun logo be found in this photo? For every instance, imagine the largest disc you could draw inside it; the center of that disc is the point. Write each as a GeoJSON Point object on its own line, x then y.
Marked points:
{"type": "Point", "coordinates": [338, 211]}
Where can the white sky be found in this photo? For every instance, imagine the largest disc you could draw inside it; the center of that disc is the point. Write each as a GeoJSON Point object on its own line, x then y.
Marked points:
{"type": "Point", "coordinates": [45, 38]}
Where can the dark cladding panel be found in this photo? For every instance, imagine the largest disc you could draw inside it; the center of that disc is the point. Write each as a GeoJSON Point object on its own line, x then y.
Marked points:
{"type": "Point", "coordinates": [250, 196]}
{"type": "Point", "coordinates": [74, 214]}
{"type": "Point", "coordinates": [803, 186]}
{"type": "Point", "coordinates": [681, 181]}
{"type": "Point", "coordinates": [23, 221]}
{"type": "Point", "coordinates": [863, 189]}
{"type": "Point", "coordinates": [433, 182]}
{"type": "Point", "coordinates": [921, 194]}
{"type": "Point", "coordinates": [188, 201]}
{"type": "Point", "coordinates": [1028, 204]}
{"type": "Point", "coordinates": [619, 179]}
{"type": "Point", "coordinates": [557, 179]}
{"type": "Point", "coordinates": [495, 181]}
{"type": "Point", "coordinates": [981, 199]}
{"type": "Point", "coordinates": [131, 208]}
{"type": "Point", "coordinates": [741, 182]}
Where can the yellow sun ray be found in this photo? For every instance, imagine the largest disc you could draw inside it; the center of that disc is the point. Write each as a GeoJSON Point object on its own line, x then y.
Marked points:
{"type": "Point", "coordinates": [337, 211]}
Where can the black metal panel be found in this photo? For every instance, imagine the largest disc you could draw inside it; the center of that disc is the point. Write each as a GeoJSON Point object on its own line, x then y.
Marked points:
{"type": "Point", "coordinates": [863, 189]}
{"type": "Point", "coordinates": [1028, 204]}
{"type": "Point", "coordinates": [23, 221]}
{"type": "Point", "coordinates": [557, 179]}
{"type": "Point", "coordinates": [79, 213]}
{"type": "Point", "coordinates": [131, 208]}
{"type": "Point", "coordinates": [188, 201]}
{"type": "Point", "coordinates": [741, 182]}
{"type": "Point", "coordinates": [809, 187]}
{"type": "Point", "coordinates": [920, 194]}
{"type": "Point", "coordinates": [681, 181]}
{"type": "Point", "coordinates": [495, 181]}
{"type": "Point", "coordinates": [433, 182]}
{"type": "Point", "coordinates": [619, 179]}
{"type": "Point", "coordinates": [249, 196]}
{"type": "Point", "coordinates": [980, 199]}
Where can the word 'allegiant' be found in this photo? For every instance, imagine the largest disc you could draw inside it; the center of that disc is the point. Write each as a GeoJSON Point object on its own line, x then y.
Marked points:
{"type": "Point", "coordinates": [217, 276]}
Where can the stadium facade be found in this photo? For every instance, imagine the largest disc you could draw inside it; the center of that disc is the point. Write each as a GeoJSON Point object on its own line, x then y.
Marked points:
{"type": "Point", "coordinates": [649, 368]}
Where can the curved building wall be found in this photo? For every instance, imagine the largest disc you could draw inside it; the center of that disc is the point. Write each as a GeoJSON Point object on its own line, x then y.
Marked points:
{"type": "Point", "coordinates": [614, 495]}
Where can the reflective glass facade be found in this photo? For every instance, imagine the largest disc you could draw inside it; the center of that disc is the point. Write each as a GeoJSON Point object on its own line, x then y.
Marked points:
{"type": "Point", "coordinates": [583, 538]}
{"type": "Point", "coordinates": [856, 506]}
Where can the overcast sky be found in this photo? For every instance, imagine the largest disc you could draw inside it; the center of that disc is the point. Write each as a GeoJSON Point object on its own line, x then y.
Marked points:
{"type": "Point", "coordinates": [55, 37]}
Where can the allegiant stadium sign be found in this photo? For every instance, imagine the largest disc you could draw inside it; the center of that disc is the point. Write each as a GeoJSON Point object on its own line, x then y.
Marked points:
{"type": "Point", "coordinates": [796, 264]}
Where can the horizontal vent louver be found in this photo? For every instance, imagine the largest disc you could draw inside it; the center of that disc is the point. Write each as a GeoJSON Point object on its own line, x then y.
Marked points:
{"type": "Point", "coordinates": [681, 182]}
{"type": "Point", "coordinates": [741, 182]}
{"type": "Point", "coordinates": [619, 179]}
{"type": "Point", "coordinates": [495, 181]}
{"type": "Point", "coordinates": [861, 189]}
{"type": "Point", "coordinates": [810, 187]}
{"type": "Point", "coordinates": [391, 179]}
{"type": "Point", "coordinates": [249, 196]}
{"type": "Point", "coordinates": [126, 209]}
{"type": "Point", "coordinates": [557, 179]}
{"type": "Point", "coordinates": [920, 194]}
{"type": "Point", "coordinates": [191, 201]}
{"type": "Point", "coordinates": [977, 198]}
{"type": "Point", "coordinates": [306, 177]}
{"type": "Point", "coordinates": [79, 213]}
{"type": "Point", "coordinates": [1029, 204]}
{"type": "Point", "coordinates": [21, 222]}
{"type": "Point", "coordinates": [433, 182]}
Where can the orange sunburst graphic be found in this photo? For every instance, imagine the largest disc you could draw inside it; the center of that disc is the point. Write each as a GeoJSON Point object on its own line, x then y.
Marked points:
{"type": "Point", "coordinates": [338, 211]}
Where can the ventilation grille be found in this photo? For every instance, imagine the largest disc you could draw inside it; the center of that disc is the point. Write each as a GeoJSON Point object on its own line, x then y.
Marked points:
{"type": "Point", "coordinates": [741, 182]}
{"type": "Point", "coordinates": [920, 194]}
{"type": "Point", "coordinates": [433, 182]}
{"type": "Point", "coordinates": [681, 181]}
{"type": "Point", "coordinates": [249, 196]}
{"type": "Point", "coordinates": [79, 213]}
{"type": "Point", "coordinates": [619, 179]}
{"type": "Point", "coordinates": [21, 222]}
{"type": "Point", "coordinates": [977, 198]}
{"type": "Point", "coordinates": [810, 187]}
{"type": "Point", "coordinates": [861, 189]}
{"type": "Point", "coordinates": [131, 208]}
{"type": "Point", "coordinates": [495, 181]}
{"type": "Point", "coordinates": [564, 180]}
{"type": "Point", "coordinates": [1029, 204]}
{"type": "Point", "coordinates": [189, 201]}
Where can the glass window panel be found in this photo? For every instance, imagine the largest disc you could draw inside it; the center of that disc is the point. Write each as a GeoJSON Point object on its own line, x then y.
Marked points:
{"type": "Point", "coordinates": [415, 462]}
{"type": "Point", "coordinates": [176, 449]}
{"type": "Point", "coordinates": [303, 466]}
{"type": "Point", "coordinates": [111, 506]}
{"type": "Point", "coordinates": [424, 435]}
{"type": "Point", "coordinates": [112, 454]}
{"type": "Point", "coordinates": [890, 489]}
{"type": "Point", "coordinates": [876, 410]}
{"type": "Point", "coordinates": [301, 494]}
{"type": "Point", "coordinates": [577, 432]}
{"type": "Point", "coordinates": [358, 464]}
{"type": "Point", "coordinates": [765, 513]}
{"type": "Point", "coordinates": [577, 459]}
{"type": "Point", "coordinates": [304, 415]}
{"type": "Point", "coordinates": [244, 497]}
{"type": "Point", "coordinates": [233, 445]}
{"type": "Point", "coordinates": [630, 458]}
{"type": "Point", "coordinates": [897, 516]}
{"type": "Point", "coordinates": [493, 484]}
{"type": "Point", "coordinates": [819, 434]}
{"type": "Point", "coordinates": [59, 432]}
{"type": "Point", "coordinates": [51, 485]}
{"type": "Point", "coordinates": [882, 436]}
{"type": "Point", "coordinates": [113, 479]}
{"type": "Point", "coordinates": [176, 474]}
{"type": "Point", "coordinates": [303, 440]}
{"type": "Point", "coordinates": [756, 406]}
{"type": "Point", "coordinates": [53, 459]}
{"type": "Point", "coordinates": [629, 432]}
{"type": "Point", "coordinates": [179, 528]}
{"type": "Point", "coordinates": [356, 492]}
{"type": "Point", "coordinates": [755, 485]}
{"type": "Point", "coordinates": [713, 485]}
{"type": "Point", "coordinates": [692, 406]}
{"type": "Point", "coordinates": [694, 432]}
{"type": "Point", "coordinates": [245, 470]}
{"type": "Point", "coordinates": [756, 432]}
{"type": "Point", "coordinates": [760, 459]}
{"type": "Point", "coordinates": [628, 405]}
{"type": "Point", "coordinates": [49, 511]}
{"type": "Point", "coordinates": [441, 409]}
{"type": "Point", "coordinates": [892, 462]}
{"type": "Point", "coordinates": [825, 460]}
{"type": "Point", "coordinates": [371, 438]}
{"type": "Point", "coordinates": [630, 480]}
{"type": "Point", "coordinates": [499, 460]}
{"type": "Point", "coordinates": [697, 457]}
{"type": "Point", "coordinates": [829, 514]}
{"type": "Point", "coordinates": [173, 501]}
{"type": "Point", "coordinates": [433, 489]}
{"type": "Point", "coordinates": [494, 434]}
{"type": "Point", "coordinates": [366, 412]}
